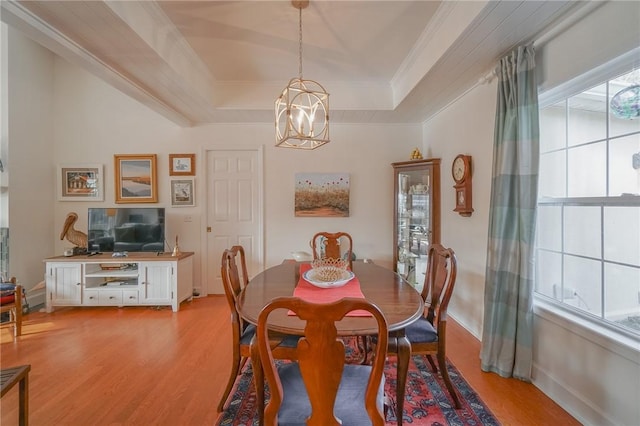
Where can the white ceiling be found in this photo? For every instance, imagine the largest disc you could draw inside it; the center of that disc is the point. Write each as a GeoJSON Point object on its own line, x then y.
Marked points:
{"type": "Point", "coordinates": [198, 62]}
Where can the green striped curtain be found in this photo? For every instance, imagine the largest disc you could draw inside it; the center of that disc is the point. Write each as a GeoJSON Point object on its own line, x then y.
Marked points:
{"type": "Point", "coordinates": [508, 313]}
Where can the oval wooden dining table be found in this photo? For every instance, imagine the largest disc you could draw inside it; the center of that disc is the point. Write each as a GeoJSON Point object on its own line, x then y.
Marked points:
{"type": "Point", "coordinates": [400, 303]}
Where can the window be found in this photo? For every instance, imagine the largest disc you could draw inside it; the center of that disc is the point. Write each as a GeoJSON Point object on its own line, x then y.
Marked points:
{"type": "Point", "coordinates": [588, 226]}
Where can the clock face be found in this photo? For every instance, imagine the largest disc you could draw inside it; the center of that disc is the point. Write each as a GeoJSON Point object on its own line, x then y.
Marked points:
{"type": "Point", "coordinates": [459, 168]}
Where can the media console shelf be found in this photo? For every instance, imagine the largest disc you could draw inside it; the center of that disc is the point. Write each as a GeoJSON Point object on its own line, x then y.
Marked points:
{"type": "Point", "coordinates": [103, 280]}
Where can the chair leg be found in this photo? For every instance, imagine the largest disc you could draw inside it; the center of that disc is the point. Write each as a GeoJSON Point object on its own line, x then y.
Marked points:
{"type": "Point", "coordinates": [432, 363]}
{"type": "Point", "coordinates": [236, 366]}
{"type": "Point", "coordinates": [447, 380]}
{"type": "Point", "coordinates": [364, 348]}
{"type": "Point", "coordinates": [258, 379]}
{"type": "Point", "coordinates": [17, 310]}
{"type": "Point", "coordinates": [18, 324]}
{"type": "Point", "coordinates": [403, 357]}
{"type": "Point", "coordinates": [15, 321]}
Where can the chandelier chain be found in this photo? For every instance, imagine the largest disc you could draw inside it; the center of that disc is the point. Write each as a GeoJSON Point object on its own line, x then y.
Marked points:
{"type": "Point", "coordinates": [300, 40]}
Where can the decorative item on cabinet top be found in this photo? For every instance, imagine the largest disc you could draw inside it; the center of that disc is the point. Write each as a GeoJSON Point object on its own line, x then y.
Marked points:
{"type": "Point", "coordinates": [461, 172]}
{"type": "Point", "coordinates": [72, 235]}
{"type": "Point", "coordinates": [416, 154]}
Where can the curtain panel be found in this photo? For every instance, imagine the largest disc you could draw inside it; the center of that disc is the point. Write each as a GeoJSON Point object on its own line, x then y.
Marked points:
{"type": "Point", "coordinates": [508, 302]}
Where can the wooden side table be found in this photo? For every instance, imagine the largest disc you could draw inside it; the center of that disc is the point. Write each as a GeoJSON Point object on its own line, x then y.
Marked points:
{"type": "Point", "coordinates": [8, 378]}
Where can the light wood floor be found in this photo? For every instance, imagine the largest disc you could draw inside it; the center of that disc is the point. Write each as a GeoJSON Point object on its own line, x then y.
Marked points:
{"type": "Point", "coordinates": [148, 366]}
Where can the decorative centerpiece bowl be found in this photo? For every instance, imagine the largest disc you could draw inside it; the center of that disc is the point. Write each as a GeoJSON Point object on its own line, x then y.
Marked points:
{"type": "Point", "coordinates": [329, 269]}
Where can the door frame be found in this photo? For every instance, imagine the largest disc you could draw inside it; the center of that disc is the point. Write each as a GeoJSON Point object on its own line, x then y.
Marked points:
{"type": "Point", "coordinates": [207, 262]}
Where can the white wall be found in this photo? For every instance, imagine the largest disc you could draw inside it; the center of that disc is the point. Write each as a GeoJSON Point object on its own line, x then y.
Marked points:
{"type": "Point", "coordinates": [608, 32]}
{"type": "Point", "coordinates": [466, 127]}
{"type": "Point", "coordinates": [364, 151]}
{"type": "Point", "coordinates": [92, 122]}
{"type": "Point", "coordinates": [29, 132]}
{"type": "Point", "coordinates": [590, 375]}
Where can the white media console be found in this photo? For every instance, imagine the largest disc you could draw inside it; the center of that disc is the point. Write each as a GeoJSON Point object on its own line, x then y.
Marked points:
{"type": "Point", "coordinates": [136, 280]}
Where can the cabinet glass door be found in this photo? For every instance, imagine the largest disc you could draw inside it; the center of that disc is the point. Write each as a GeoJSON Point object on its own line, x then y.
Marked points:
{"type": "Point", "coordinates": [414, 227]}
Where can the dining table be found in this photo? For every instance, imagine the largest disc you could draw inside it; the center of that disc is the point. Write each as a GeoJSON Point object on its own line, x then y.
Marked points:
{"type": "Point", "coordinates": [400, 303]}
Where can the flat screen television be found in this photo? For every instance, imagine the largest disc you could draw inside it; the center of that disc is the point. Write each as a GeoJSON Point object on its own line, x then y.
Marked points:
{"type": "Point", "coordinates": [126, 229]}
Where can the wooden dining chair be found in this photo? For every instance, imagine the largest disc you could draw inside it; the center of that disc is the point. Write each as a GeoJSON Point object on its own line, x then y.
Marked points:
{"type": "Point", "coordinates": [242, 331]}
{"type": "Point", "coordinates": [336, 245]}
{"type": "Point", "coordinates": [320, 389]}
{"type": "Point", "coordinates": [12, 303]}
{"type": "Point", "coordinates": [427, 335]}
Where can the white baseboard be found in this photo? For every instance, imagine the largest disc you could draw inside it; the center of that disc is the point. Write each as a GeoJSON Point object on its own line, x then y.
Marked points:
{"type": "Point", "coordinates": [570, 400]}
{"type": "Point", "coordinates": [35, 298]}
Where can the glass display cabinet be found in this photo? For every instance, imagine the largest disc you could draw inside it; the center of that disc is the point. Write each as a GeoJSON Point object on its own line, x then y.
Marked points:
{"type": "Point", "coordinates": [416, 216]}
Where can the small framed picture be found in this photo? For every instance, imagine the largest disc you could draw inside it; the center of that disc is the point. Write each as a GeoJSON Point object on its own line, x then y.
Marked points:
{"type": "Point", "coordinates": [80, 182]}
{"type": "Point", "coordinates": [136, 178]}
{"type": "Point", "coordinates": [183, 193]}
{"type": "Point", "coordinates": [182, 164]}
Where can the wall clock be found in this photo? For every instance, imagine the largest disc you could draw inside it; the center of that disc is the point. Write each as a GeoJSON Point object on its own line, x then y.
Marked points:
{"type": "Point", "coordinates": [461, 172]}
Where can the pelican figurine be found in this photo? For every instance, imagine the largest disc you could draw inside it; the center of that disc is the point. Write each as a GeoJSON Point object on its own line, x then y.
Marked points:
{"type": "Point", "coordinates": [78, 238]}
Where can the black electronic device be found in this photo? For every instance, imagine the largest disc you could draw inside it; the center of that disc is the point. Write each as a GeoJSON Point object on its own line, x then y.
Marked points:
{"type": "Point", "coordinates": [126, 229]}
{"type": "Point", "coordinates": [79, 251]}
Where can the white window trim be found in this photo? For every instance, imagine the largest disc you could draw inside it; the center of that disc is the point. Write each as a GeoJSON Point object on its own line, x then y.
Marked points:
{"type": "Point", "coordinates": [594, 331]}
{"type": "Point", "coordinates": [591, 78]}
{"type": "Point", "coordinates": [597, 331]}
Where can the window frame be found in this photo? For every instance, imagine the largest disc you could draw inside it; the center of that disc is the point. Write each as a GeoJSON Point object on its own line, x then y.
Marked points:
{"type": "Point", "coordinates": [590, 326]}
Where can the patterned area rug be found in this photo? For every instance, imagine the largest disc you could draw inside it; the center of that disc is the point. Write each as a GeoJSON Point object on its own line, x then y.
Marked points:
{"type": "Point", "coordinates": [426, 399]}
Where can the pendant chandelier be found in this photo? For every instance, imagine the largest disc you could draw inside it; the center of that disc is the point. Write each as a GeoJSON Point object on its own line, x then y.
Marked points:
{"type": "Point", "coordinates": [302, 110]}
{"type": "Point", "coordinates": [626, 103]}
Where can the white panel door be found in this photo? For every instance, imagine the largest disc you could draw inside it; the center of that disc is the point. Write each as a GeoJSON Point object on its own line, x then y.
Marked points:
{"type": "Point", "coordinates": [234, 210]}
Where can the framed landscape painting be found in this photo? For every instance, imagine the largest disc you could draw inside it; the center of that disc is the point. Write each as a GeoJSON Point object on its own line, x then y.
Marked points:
{"type": "Point", "coordinates": [322, 195]}
{"type": "Point", "coordinates": [136, 178]}
{"type": "Point", "coordinates": [80, 182]}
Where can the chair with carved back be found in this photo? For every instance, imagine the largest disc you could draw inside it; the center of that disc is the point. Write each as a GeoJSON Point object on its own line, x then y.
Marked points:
{"type": "Point", "coordinates": [242, 331]}
{"type": "Point", "coordinates": [428, 334]}
{"type": "Point", "coordinates": [320, 389]}
{"type": "Point", "coordinates": [11, 302]}
{"type": "Point", "coordinates": [336, 245]}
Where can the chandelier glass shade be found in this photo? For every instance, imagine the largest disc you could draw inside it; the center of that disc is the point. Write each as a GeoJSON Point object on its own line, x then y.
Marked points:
{"type": "Point", "coordinates": [302, 109]}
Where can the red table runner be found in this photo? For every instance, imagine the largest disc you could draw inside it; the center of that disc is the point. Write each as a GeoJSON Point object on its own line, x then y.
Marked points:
{"type": "Point", "coordinates": [310, 293]}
